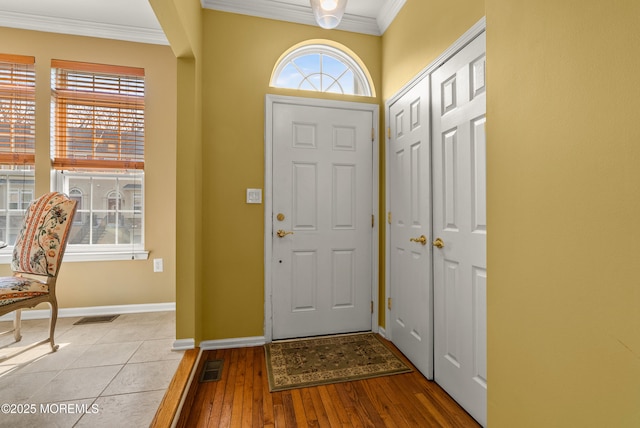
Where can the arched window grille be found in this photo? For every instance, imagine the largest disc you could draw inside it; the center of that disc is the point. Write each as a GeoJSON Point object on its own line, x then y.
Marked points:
{"type": "Point", "coordinates": [321, 68]}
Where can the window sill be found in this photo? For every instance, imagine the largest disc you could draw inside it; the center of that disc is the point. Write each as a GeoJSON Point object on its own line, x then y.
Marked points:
{"type": "Point", "coordinates": [88, 256]}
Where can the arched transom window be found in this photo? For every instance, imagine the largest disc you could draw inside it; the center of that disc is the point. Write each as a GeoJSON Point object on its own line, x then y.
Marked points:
{"type": "Point", "coordinates": [321, 68]}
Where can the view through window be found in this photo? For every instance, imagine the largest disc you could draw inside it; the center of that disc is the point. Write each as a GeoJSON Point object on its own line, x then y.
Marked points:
{"type": "Point", "coordinates": [98, 150]}
{"type": "Point", "coordinates": [17, 141]}
{"type": "Point", "coordinates": [321, 68]}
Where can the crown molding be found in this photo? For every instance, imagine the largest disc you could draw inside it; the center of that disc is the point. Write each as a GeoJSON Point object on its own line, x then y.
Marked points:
{"type": "Point", "coordinates": [82, 28]}
{"type": "Point", "coordinates": [291, 13]}
{"type": "Point", "coordinates": [388, 13]}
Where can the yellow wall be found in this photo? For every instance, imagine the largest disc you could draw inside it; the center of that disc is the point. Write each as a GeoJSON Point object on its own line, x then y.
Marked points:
{"type": "Point", "coordinates": [182, 24]}
{"type": "Point", "coordinates": [239, 55]}
{"type": "Point", "coordinates": [421, 31]}
{"type": "Point", "coordinates": [83, 284]}
{"type": "Point", "coordinates": [563, 208]}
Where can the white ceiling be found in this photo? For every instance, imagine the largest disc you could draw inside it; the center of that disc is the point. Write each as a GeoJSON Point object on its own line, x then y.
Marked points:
{"type": "Point", "coordinates": [134, 20]}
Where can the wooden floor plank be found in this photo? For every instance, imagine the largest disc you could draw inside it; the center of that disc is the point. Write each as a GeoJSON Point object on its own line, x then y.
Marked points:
{"type": "Point", "coordinates": [360, 403]}
{"type": "Point", "coordinates": [231, 367]}
{"type": "Point", "coordinates": [257, 389]}
{"type": "Point", "coordinates": [279, 418]}
{"type": "Point", "coordinates": [320, 398]}
{"type": "Point", "coordinates": [241, 398]}
{"type": "Point", "coordinates": [237, 405]}
{"type": "Point", "coordinates": [205, 393]}
{"type": "Point", "coordinates": [349, 402]}
{"type": "Point", "coordinates": [312, 414]}
{"type": "Point", "coordinates": [382, 403]}
{"type": "Point", "coordinates": [447, 407]}
{"type": "Point", "coordinates": [288, 409]}
{"type": "Point", "coordinates": [267, 398]}
{"type": "Point", "coordinates": [406, 393]}
{"type": "Point", "coordinates": [365, 404]}
{"type": "Point", "coordinates": [247, 391]}
{"type": "Point", "coordinates": [330, 394]}
{"type": "Point", "coordinates": [298, 408]}
{"type": "Point", "coordinates": [177, 388]}
{"type": "Point", "coordinates": [432, 409]}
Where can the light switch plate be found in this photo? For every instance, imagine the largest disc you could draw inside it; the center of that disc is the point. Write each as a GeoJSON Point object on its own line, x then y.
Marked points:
{"type": "Point", "coordinates": [254, 196]}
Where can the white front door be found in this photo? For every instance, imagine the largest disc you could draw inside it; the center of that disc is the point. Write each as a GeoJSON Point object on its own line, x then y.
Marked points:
{"type": "Point", "coordinates": [410, 210]}
{"type": "Point", "coordinates": [459, 221]}
{"type": "Point", "coordinates": [322, 220]}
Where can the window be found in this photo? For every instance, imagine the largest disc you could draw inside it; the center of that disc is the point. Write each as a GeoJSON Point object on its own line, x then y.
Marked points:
{"type": "Point", "coordinates": [76, 195]}
{"type": "Point", "coordinates": [20, 198]}
{"type": "Point", "coordinates": [98, 152]}
{"type": "Point", "coordinates": [17, 141]}
{"type": "Point", "coordinates": [321, 68]}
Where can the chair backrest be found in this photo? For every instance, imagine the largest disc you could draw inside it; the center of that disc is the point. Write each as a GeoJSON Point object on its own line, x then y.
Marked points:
{"type": "Point", "coordinates": [43, 237]}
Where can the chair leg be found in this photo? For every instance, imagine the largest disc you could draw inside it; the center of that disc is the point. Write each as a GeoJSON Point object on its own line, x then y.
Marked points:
{"type": "Point", "coordinates": [52, 324]}
{"type": "Point", "coordinates": [16, 325]}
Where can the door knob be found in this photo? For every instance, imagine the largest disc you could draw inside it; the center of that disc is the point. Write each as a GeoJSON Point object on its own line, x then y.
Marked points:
{"type": "Point", "coordinates": [281, 233]}
{"type": "Point", "coordinates": [422, 239]}
{"type": "Point", "coordinates": [438, 243]}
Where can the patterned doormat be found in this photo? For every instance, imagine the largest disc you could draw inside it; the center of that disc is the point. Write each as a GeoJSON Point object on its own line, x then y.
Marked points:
{"type": "Point", "coordinates": [302, 363]}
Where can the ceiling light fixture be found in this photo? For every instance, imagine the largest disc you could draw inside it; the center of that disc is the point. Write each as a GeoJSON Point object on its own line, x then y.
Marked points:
{"type": "Point", "coordinates": [328, 13]}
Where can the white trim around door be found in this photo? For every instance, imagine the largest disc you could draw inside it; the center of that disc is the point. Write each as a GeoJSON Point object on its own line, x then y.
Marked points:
{"type": "Point", "coordinates": [270, 101]}
{"type": "Point", "coordinates": [477, 29]}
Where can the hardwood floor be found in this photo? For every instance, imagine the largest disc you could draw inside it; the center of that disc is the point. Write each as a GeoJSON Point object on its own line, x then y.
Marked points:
{"type": "Point", "coordinates": [169, 406]}
{"type": "Point", "coordinates": [241, 398]}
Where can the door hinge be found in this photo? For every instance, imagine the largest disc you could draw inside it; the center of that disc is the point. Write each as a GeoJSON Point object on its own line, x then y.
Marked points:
{"type": "Point", "coordinates": [373, 134]}
{"type": "Point", "coordinates": [373, 220]}
{"type": "Point", "coordinates": [388, 132]}
{"type": "Point", "coordinates": [389, 303]}
{"type": "Point", "coordinates": [389, 217]}
{"type": "Point", "coordinates": [372, 306]}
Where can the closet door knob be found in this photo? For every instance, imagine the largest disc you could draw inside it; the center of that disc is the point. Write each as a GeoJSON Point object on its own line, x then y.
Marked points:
{"type": "Point", "coordinates": [421, 239]}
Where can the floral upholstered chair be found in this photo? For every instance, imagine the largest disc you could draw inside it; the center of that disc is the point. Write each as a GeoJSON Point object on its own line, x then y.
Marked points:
{"type": "Point", "coordinates": [37, 255]}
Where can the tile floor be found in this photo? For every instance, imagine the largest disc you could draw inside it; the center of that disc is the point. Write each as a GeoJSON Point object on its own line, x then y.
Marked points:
{"type": "Point", "coordinates": [103, 375]}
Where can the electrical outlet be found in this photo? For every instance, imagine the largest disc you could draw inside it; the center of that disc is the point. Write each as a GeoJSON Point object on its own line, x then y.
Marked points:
{"type": "Point", "coordinates": [157, 265]}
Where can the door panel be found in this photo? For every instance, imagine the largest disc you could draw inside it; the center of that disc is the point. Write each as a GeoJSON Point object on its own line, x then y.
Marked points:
{"type": "Point", "coordinates": [304, 275]}
{"type": "Point", "coordinates": [478, 175]}
{"type": "Point", "coordinates": [459, 219]}
{"type": "Point", "coordinates": [323, 189]}
{"type": "Point", "coordinates": [410, 261]}
{"type": "Point", "coordinates": [305, 196]}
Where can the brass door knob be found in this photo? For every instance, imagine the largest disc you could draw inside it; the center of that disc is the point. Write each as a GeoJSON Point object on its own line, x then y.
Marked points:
{"type": "Point", "coordinates": [421, 239]}
{"type": "Point", "coordinates": [438, 243]}
{"type": "Point", "coordinates": [281, 233]}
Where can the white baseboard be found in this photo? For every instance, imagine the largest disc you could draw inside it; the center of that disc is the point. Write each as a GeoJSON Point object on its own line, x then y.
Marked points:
{"type": "Point", "coordinates": [93, 311]}
{"type": "Point", "coordinates": [382, 332]}
{"type": "Point", "coordinates": [240, 342]}
{"type": "Point", "coordinates": [208, 345]}
{"type": "Point", "coordinates": [183, 344]}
